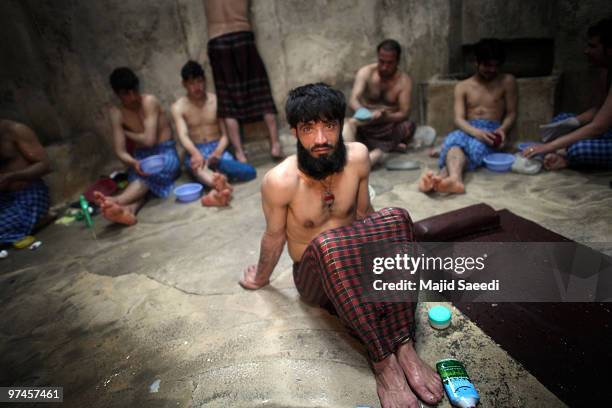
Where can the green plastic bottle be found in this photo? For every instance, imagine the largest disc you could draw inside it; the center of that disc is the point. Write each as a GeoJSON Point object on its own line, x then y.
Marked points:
{"type": "Point", "coordinates": [85, 208]}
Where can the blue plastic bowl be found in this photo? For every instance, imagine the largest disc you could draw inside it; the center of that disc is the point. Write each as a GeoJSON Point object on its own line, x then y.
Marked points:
{"type": "Point", "coordinates": [362, 114]}
{"type": "Point", "coordinates": [188, 192]}
{"type": "Point", "coordinates": [500, 162]}
{"type": "Point", "coordinates": [153, 164]}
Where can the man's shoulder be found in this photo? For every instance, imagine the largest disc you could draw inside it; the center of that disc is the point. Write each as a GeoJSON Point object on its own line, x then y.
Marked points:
{"type": "Point", "coordinates": [508, 79]}
{"type": "Point", "coordinates": [356, 152]}
{"type": "Point", "coordinates": [367, 70]}
{"type": "Point", "coordinates": [282, 178]}
{"type": "Point", "coordinates": [404, 78]}
{"type": "Point", "coordinates": [22, 132]}
{"type": "Point", "coordinates": [150, 100]}
{"type": "Point", "coordinates": [180, 104]}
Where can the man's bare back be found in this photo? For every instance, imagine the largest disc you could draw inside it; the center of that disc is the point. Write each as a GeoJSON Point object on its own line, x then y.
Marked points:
{"type": "Point", "coordinates": [201, 120]}
{"type": "Point", "coordinates": [307, 215]}
{"type": "Point", "coordinates": [19, 150]}
{"type": "Point", "coordinates": [486, 100]}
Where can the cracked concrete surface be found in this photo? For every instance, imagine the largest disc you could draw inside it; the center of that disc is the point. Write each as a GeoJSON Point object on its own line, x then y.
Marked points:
{"type": "Point", "coordinates": [104, 316]}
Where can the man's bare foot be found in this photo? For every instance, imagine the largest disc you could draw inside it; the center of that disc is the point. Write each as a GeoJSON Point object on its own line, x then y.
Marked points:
{"type": "Point", "coordinates": [226, 195]}
{"type": "Point", "coordinates": [422, 378]}
{"type": "Point", "coordinates": [100, 199]}
{"type": "Point", "coordinates": [449, 185]}
{"type": "Point", "coordinates": [117, 213]}
{"type": "Point", "coordinates": [220, 182]}
{"type": "Point", "coordinates": [401, 148]}
{"type": "Point", "coordinates": [214, 199]}
{"type": "Point", "coordinates": [554, 161]}
{"type": "Point", "coordinates": [426, 183]}
{"type": "Point", "coordinates": [241, 157]}
{"type": "Point", "coordinates": [391, 386]}
{"type": "Point", "coordinates": [277, 152]}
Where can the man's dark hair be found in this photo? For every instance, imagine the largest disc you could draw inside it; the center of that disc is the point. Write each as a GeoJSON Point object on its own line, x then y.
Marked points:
{"type": "Point", "coordinates": [315, 102]}
{"type": "Point", "coordinates": [123, 79]}
{"type": "Point", "coordinates": [490, 49]}
{"type": "Point", "coordinates": [390, 45]}
{"type": "Point", "coordinates": [192, 70]}
{"type": "Point", "coordinates": [603, 30]}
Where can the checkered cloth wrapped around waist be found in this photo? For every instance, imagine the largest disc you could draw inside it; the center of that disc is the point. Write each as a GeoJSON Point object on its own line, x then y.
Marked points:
{"type": "Point", "coordinates": [385, 136]}
{"type": "Point", "coordinates": [21, 210]}
{"type": "Point", "coordinates": [162, 183]}
{"type": "Point", "coordinates": [330, 274]}
{"type": "Point", "coordinates": [241, 81]}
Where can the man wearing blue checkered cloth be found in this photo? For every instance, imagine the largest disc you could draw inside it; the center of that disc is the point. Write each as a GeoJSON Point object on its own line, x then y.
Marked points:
{"type": "Point", "coordinates": [139, 121]}
{"type": "Point", "coordinates": [24, 198]}
{"type": "Point", "coordinates": [485, 111]}
{"type": "Point", "coordinates": [584, 141]}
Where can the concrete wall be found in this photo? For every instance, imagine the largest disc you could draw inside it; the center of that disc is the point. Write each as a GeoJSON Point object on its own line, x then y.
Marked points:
{"type": "Point", "coordinates": [59, 54]}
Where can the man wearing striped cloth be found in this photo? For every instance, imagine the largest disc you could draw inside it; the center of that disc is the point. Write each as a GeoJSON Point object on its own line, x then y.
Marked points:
{"type": "Point", "coordinates": [318, 202]}
{"type": "Point", "coordinates": [241, 82]}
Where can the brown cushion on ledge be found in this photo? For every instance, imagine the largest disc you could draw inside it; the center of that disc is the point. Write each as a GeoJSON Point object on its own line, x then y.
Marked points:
{"type": "Point", "coordinates": [455, 224]}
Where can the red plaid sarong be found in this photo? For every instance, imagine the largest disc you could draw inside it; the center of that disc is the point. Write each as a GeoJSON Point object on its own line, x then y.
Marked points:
{"type": "Point", "coordinates": [385, 136]}
{"type": "Point", "coordinates": [329, 274]}
{"type": "Point", "coordinates": [241, 80]}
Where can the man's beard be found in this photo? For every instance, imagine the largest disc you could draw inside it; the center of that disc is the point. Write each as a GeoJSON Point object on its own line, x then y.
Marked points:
{"type": "Point", "coordinates": [320, 167]}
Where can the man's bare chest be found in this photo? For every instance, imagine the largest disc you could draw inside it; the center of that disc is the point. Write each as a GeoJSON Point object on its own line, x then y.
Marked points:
{"type": "Point", "coordinates": [133, 121]}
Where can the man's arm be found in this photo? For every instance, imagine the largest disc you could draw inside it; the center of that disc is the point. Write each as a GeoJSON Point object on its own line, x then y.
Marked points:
{"type": "Point", "coordinates": [223, 141]}
{"type": "Point", "coordinates": [460, 116]}
{"type": "Point", "coordinates": [364, 206]}
{"type": "Point", "coordinates": [197, 160]}
{"type": "Point", "coordinates": [30, 148]}
{"type": "Point", "coordinates": [404, 101]}
{"type": "Point", "coordinates": [359, 86]}
{"type": "Point", "coordinates": [119, 140]}
{"type": "Point", "coordinates": [151, 110]}
{"type": "Point", "coordinates": [601, 123]}
{"type": "Point", "coordinates": [598, 99]}
{"type": "Point", "coordinates": [275, 206]}
{"type": "Point", "coordinates": [511, 102]}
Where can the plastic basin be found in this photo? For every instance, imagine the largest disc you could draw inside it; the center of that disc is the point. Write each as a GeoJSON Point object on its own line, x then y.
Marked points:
{"type": "Point", "coordinates": [500, 162]}
{"type": "Point", "coordinates": [152, 164]}
{"type": "Point", "coordinates": [362, 114]}
{"type": "Point", "coordinates": [188, 192]}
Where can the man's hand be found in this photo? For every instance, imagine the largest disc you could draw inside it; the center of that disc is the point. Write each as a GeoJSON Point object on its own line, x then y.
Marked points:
{"type": "Point", "coordinates": [139, 169]}
{"type": "Point", "coordinates": [197, 161]}
{"type": "Point", "coordinates": [500, 137]}
{"type": "Point", "coordinates": [485, 137]}
{"type": "Point", "coordinates": [378, 115]}
{"type": "Point", "coordinates": [551, 131]}
{"type": "Point", "coordinates": [536, 150]}
{"type": "Point", "coordinates": [250, 281]}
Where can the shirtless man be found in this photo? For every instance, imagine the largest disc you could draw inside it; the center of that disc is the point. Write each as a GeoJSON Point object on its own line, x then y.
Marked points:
{"type": "Point", "coordinates": [24, 198]}
{"type": "Point", "coordinates": [241, 80]}
{"type": "Point", "coordinates": [323, 187]}
{"type": "Point", "coordinates": [204, 138]}
{"type": "Point", "coordinates": [586, 139]}
{"type": "Point", "coordinates": [386, 92]}
{"type": "Point", "coordinates": [485, 111]}
{"type": "Point", "coordinates": [139, 121]}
